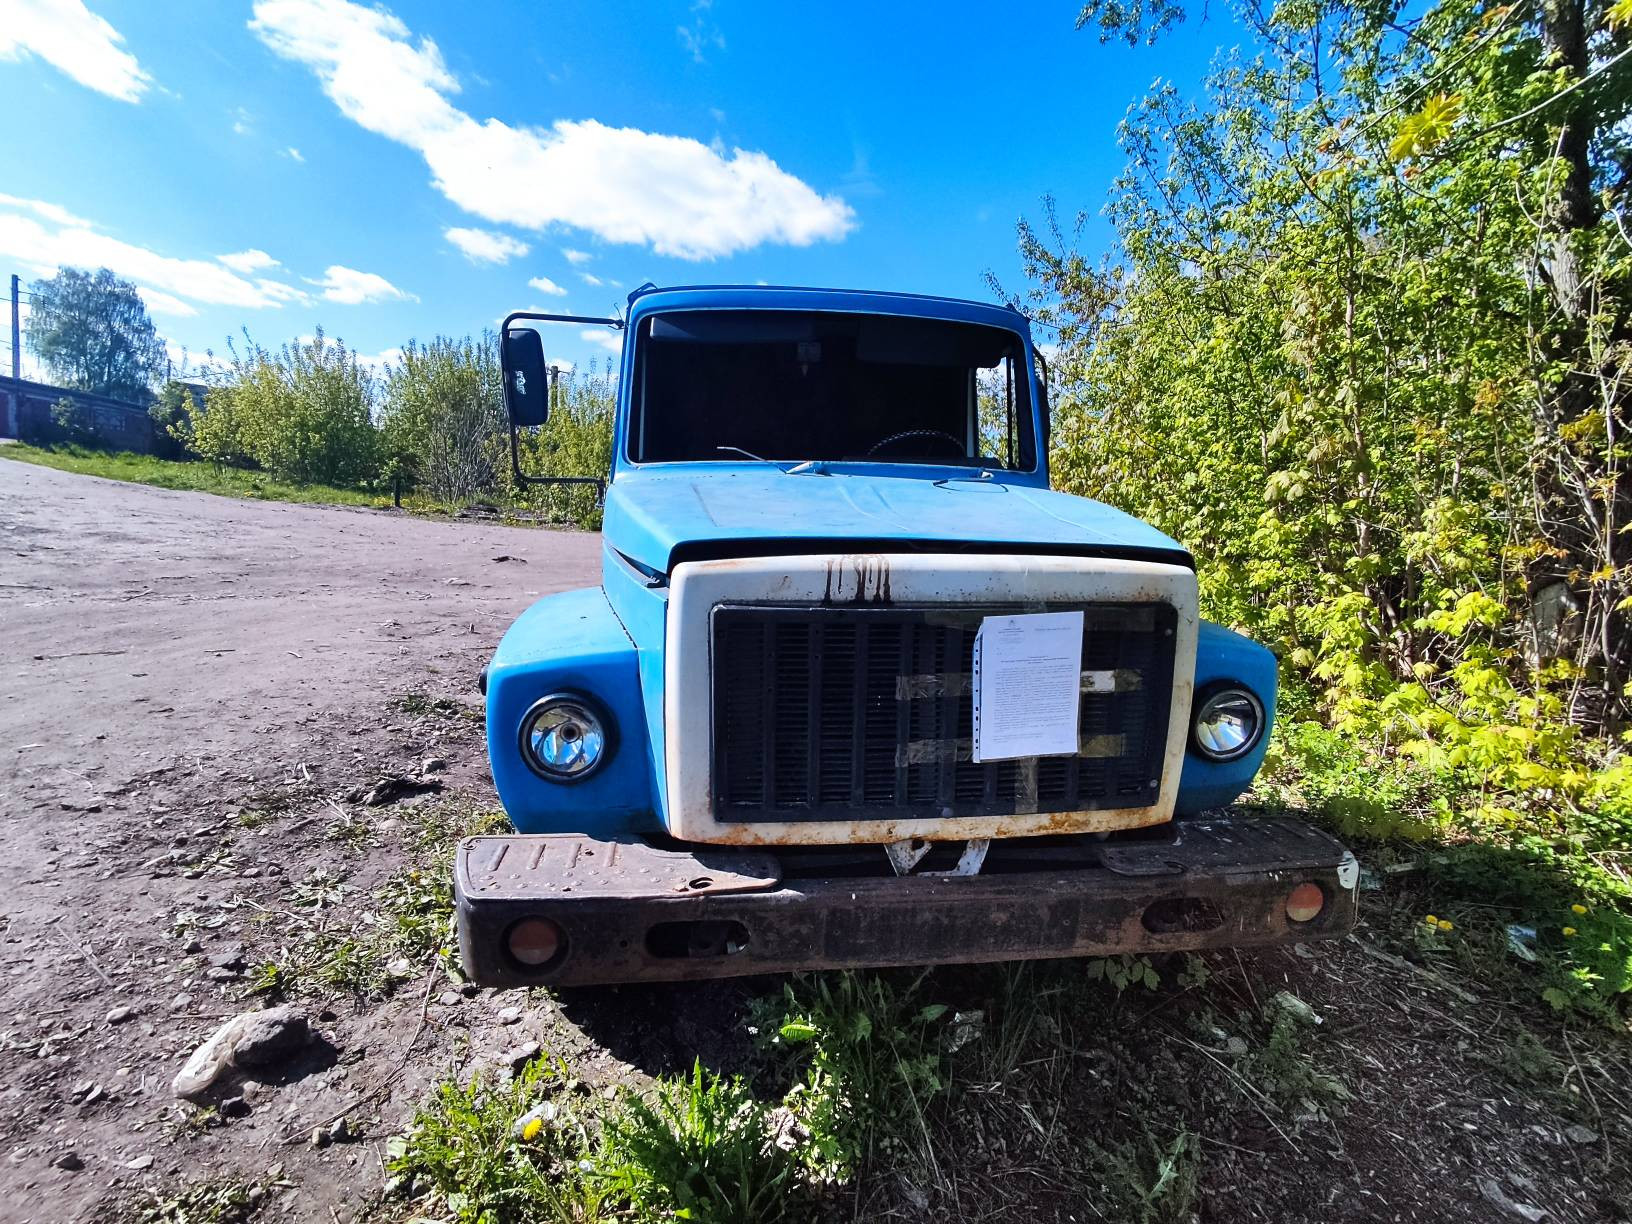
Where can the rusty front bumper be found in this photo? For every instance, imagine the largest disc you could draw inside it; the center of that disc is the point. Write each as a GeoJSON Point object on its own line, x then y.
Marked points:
{"type": "Point", "coordinates": [629, 912]}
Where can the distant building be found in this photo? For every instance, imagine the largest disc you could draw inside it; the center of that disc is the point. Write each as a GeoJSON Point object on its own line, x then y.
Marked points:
{"type": "Point", "coordinates": [117, 424]}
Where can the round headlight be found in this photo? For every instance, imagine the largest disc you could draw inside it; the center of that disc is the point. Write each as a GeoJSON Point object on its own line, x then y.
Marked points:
{"type": "Point", "coordinates": [1229, 723]}
{"type": "Point", "coordinates": [565, 737]}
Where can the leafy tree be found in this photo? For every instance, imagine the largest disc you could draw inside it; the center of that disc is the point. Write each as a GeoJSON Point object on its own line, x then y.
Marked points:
{"type": "Point", "coordinates": [91, 331]}
{"type": "Point", "coordinates": [442, 411]}
{"type": "Point", "coordinates": [303, 413]}
{"type": "Point", "coordinates": [1365, 344]}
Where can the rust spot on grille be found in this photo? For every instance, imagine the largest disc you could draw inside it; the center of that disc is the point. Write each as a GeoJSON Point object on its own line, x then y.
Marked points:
{"type": "Point", "coordinates": [959, 829]}
{"type": "Point", "coordinates": [862, 578]}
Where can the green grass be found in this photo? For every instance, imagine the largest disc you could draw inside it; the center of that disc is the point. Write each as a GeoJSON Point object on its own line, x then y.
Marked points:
{"type": "Point", "coordinates": [212, 1202]}
{"type": "Point", "coordinates": [194, 477]}
{"type": "Point", "coordinates": [348, 940]}
{"type": "Point", "coordinates": [463, 1160]}
{"type": "Point", "coordinates": [701, 1148]}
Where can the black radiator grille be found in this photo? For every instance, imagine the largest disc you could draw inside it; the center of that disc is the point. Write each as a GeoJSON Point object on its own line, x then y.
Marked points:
{"type": "Point", "coordinates": [865, 713]}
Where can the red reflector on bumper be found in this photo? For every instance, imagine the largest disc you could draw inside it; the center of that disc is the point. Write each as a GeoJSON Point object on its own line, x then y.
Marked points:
{"type": "Point", "coordinates": [535, 942]}
{"type": "Point", "coordinates": [1304, 903]}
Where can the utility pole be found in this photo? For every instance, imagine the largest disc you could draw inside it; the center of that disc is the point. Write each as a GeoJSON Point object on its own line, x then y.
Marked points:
{"type": "Point", "coordinates": [16, 364]}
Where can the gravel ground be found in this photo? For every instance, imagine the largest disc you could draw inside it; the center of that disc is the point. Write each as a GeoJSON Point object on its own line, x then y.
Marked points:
{"type": "Point", "coordinates": [169, 658]}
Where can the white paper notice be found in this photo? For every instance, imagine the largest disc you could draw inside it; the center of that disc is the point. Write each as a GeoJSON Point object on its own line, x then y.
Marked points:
{"type": "Point", "coordinates": [1028, 682]}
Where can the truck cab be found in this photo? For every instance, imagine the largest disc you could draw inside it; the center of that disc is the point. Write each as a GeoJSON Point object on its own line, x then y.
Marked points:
{"type": "Point", "coordinates": [857, 687]}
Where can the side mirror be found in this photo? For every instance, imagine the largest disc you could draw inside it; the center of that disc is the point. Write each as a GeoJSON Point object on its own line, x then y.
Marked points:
{"type": "Point", "coordinates": [526, 379]}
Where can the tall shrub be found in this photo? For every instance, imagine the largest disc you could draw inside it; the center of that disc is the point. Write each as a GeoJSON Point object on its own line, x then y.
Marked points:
{"type": "Point", "coordinates": [442, 408]}
{"type": "Point", "coordinates": [577, 441]}
{"type": "Point", "coordinates": [1364, 346]}
{"type": "Point", "coordinates": [303, 413]}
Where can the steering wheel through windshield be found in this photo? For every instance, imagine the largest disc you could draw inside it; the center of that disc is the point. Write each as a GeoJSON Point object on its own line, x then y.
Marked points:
{"type": "Point", "coordinates": [938, 436]}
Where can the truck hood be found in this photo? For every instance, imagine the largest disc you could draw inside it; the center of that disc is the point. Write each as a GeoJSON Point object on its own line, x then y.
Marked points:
{"type": "Point", "coordinates": [660, 519]}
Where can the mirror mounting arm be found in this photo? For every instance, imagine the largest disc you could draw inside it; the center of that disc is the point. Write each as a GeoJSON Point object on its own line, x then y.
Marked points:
{"type": "Point", "coordinates": [550, 374]}
{"type": "Point", "coordinates": [522, 478]}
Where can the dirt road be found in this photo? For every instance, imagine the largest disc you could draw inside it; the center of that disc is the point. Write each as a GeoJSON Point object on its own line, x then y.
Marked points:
{"type": "Point", "coordinates": [138, 623]}
{"type": "Point", "coordinates": [170, 658]}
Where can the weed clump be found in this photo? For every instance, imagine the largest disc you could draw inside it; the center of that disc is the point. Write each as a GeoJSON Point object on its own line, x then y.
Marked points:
{"type": "Point", "coordinates": [701, 1148]}
{"type": "Point", "coordinates": [867, 1060]}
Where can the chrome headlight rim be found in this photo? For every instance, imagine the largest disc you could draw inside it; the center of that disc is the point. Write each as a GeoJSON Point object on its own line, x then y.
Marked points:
{"type": "Point", "coordinates": [1220, 693]}
{"type": "Point", "coordinates": [592, 711]}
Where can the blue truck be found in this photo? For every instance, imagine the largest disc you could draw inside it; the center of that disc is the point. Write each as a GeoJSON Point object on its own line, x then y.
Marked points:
{"type": "Point", "coordinates": [857, 687]}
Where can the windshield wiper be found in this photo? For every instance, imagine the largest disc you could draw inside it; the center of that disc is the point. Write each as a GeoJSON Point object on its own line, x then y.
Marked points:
{"type": "Point", "coordinates": [801, 467]}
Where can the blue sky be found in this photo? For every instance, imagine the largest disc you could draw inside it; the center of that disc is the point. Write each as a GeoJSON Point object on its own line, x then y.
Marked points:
{"type": "Point", "coordinates": [398, 171]}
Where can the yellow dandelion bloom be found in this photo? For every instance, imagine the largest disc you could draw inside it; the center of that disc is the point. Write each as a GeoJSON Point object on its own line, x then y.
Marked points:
{"type": "Point", "coordinates": [1568, 932]}
{"type": "Point", "coordinates": [1578, 908]}
{"type": "Point", "coordinates": [1445, 924]}
{"type": "Point", "coordinates": [531, 1130]}
{"type": "Point", "coordinates": [1431, 920]}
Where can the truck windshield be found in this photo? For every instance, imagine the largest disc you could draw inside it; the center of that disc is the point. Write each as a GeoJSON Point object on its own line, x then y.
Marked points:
{"type": "Point", "coordinates": [827, 386]}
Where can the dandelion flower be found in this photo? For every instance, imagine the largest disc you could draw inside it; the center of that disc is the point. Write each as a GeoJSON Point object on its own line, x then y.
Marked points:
{"type": "Point", "coordinates": [1578, 908]}
{"type": "Point", "coordinates": [1445, 924]}
{"type": "Point", "coordinates": [1569, 932]}
{"type": "Point", "coordinates": [532, 1129]}
{"type": "Point", "coordinates": [1431, 920]}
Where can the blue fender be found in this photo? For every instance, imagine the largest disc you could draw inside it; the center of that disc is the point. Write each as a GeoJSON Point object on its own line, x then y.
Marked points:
{"type": "Point", "coordinates": [1222, 655]}
{"type": "Point", "coordinates": [571, 642]}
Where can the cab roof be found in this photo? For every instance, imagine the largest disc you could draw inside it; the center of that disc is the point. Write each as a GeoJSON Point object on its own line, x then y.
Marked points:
{"type": "Point", "coordinates": [650, 299]}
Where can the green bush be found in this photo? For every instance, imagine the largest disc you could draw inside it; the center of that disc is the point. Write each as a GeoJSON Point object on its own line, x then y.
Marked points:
{"type": "Point", "coordinates": [442, 415]}
{"type": "Point", "coordinates": [1361, 348]}
{"type": "Point", "coordinates": [172, 413]}
{"type": "Point", "coordinates": [303, 413]}
{"type": "Point", "coordinates": [72, 424]}
{"type": "Point", "coordinates": [577, 441]}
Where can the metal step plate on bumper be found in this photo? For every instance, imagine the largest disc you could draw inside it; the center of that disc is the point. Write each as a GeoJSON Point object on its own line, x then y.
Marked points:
{"type": "Point", "coordinates": [630, 912]}
{"type": "Point", "coordinates": [528, 867]}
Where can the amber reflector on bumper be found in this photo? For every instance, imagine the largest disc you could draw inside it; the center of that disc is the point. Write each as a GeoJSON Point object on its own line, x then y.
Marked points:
{"type": "Point", "coordinates": [535, 942]}
{"type": "Point", "coordinates": [1304, 903]}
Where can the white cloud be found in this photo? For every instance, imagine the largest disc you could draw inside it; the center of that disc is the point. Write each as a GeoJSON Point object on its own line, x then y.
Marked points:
{"type": "Point", "coordinates": [485, 246]}
{"type": "Point", "coordinates": [50, 246]}
{"type": "Point", "coordinates": [293, 154]}
{"type": "Point", "coordinates": [349, 287]}
{"type": "Point", "coordinates": [278, 291]}
{"type": "Point", "coordinates": [40, 208]}
{"type": "Point", "coordinates": [576, 257]}
{"type": "Point", "coordinates": [545, 285]}
{"type": "Point", "coordinates": [700, 36]}
{"type": "Point", "coordinates": [591, 280]}
{"type": "Point", "coordinates": [164, 303]}
{"type": "Point", "coordinates": [671, 193]}
{"type": "Point", "coordinates": [52, 238]}
{"type": "Point", "coordinates": [378, 361]}
{"type": "Point", "coordinates": [604, 337]}
{"type": "Point", "coordinates": [75, 41]}
{"type": "Point", "coordinates": [251, 260]}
